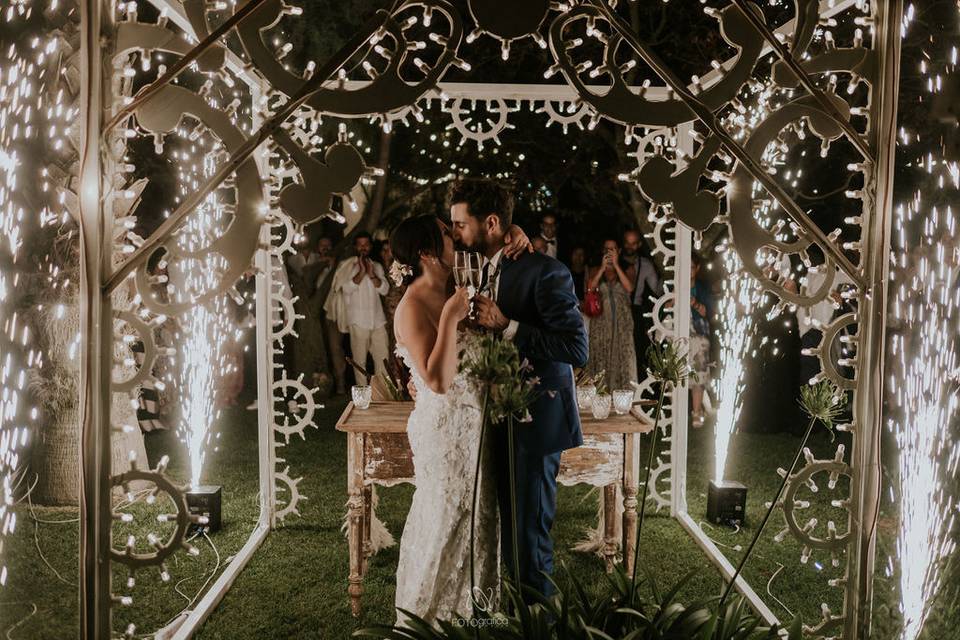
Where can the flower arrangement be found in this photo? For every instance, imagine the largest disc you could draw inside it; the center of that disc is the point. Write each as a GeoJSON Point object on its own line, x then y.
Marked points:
{"type": "Point", "coordinates": [395, 378]}
{"type": "Point", "coordinates": [669, 365]}
{"type": "Point", "coordinates": [400, 272]}
{"type": "Point", "coordinates": [507, 391]}
{"type": "Point", "coordinates": [823, 402]}
{"type": "Point", "coordinates": [494, 365]}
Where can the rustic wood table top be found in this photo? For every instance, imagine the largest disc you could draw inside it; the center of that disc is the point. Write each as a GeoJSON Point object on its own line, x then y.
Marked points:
{"type": "Point", "coordinates": [391, 417]}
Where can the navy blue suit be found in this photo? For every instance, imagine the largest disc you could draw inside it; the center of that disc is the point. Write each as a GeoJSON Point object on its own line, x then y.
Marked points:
{"type": "Point", "coordinates": [537, 291]}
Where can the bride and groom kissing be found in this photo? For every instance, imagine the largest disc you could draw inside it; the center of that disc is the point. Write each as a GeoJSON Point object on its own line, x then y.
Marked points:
{"type": "Point", "coordinates": [529, 299]}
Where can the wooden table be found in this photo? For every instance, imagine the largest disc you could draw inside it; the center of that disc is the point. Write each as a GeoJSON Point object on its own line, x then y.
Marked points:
{"type": "Point", "coordinates": [378, 452]}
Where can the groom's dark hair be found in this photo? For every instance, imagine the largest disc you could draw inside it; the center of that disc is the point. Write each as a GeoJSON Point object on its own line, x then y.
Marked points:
{"type": "Point", "coordinates": [483, 197]}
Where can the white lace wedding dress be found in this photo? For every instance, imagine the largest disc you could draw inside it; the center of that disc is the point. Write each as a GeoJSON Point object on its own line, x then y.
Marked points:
{"type": "Point", "coordinates": [433, 575]}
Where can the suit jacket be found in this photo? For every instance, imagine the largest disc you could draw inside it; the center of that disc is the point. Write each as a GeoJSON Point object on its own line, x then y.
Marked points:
{"type": "Point", "coordinates": [537, 291]}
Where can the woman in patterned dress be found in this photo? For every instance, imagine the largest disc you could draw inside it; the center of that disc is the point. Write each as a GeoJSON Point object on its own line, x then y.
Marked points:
{"type": "Point", "coordinates": [611, 333]}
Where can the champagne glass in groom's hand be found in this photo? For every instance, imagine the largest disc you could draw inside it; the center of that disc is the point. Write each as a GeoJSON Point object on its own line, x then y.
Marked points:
{"type": "Point", "coordinates": [467, 272]}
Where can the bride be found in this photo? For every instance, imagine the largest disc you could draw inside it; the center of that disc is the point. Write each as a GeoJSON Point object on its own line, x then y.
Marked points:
{"type": "Point", "coordinates": [433, 575]}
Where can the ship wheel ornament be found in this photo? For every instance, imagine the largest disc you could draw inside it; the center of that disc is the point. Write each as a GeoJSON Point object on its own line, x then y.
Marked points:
{"type": "Point", "coordinates": [507, 21]}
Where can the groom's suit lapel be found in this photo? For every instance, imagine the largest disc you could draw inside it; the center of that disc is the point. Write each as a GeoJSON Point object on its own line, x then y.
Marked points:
{"type": "Point", "coordinates": [507, 286]}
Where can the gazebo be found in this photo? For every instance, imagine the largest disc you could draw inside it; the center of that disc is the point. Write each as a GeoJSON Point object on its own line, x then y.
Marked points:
{"type": "Point", "coordinates": [707, 152]}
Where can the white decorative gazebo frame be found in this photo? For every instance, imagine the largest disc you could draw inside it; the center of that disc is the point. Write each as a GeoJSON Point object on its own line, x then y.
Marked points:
{"type": "Point", "coordinates": [280, 184]}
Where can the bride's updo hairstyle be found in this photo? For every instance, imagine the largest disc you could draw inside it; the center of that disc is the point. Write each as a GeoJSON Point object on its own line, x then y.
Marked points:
{"type": "Point", "coordinates": [413, 238]}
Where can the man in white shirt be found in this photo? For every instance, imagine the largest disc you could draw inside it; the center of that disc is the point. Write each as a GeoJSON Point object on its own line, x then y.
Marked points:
{"type": "Point", "coordinates": [362, 281]}
{"type": "Point", "coordinates": [548, 233]}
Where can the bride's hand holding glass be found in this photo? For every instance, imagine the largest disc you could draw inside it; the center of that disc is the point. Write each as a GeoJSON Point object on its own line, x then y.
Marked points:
{"type": "Point", "coordinates": [457, 306]}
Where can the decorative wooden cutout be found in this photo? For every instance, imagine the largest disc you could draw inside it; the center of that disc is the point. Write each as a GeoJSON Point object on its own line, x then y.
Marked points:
{"type": "Point", "coordinates": [663, 184]}
{"type": "Point", "coordinates": [340, 172]}
{"type": "Point", "coordinates": [230, 254]}
{"type": "Point", "coordinates": [622, 105]}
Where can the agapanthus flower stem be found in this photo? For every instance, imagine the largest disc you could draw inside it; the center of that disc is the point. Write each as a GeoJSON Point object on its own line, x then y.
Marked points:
{"type": "Point", "coordinates": [512, 455]}
{"type": "Point", "coordinates": [473, 501]}
{"type": "Point", "coordinates": [646, 485]}
{"type": "Point", "coordinates": [766, 517]}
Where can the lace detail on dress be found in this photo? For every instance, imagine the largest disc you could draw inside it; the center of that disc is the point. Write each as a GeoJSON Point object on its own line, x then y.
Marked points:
{"type": "Point", "coordinates": [433, 574]}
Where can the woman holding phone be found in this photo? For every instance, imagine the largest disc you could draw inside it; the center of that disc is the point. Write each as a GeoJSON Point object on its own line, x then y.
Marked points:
{"type": "Point", "coordinates": [611, 332]}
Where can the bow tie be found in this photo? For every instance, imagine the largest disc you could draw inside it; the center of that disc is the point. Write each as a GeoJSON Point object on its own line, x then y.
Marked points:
{"type": "Point", "coordinates": [552, 241]}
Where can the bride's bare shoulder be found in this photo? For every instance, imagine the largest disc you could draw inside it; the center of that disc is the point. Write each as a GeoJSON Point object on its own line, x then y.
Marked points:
{"type": "Point", "coordinates": [411, 302]}
{"type": "Point", "coordinates": [412, 316]}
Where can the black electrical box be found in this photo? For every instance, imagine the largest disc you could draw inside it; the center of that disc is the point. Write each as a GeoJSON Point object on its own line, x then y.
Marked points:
{"type": "Point", "coordinates": [726, 502]}
{"type": "Point", "coordinates": [205, 501]}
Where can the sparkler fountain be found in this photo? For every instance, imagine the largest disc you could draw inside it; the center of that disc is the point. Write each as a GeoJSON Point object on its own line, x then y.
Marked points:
{"type": "Point", "coordinates": [927, 302]}
{"type": "Point", "coordinates": [741, 296]}
{"type": "Point", "coordinates": [925, 267]}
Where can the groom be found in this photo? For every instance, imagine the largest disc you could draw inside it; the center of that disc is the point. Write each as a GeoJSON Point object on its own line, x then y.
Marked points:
{"type": "Point", "coordinates": [531, 301]}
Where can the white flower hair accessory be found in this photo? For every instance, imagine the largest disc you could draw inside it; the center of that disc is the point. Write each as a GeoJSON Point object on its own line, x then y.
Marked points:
{"type": "Point", "coordinates": [399, 271]}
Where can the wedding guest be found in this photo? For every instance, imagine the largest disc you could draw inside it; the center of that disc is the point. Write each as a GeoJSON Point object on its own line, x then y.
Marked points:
{"type": "Point", "coordinates": [303, 258]}
{"type": "Point", "coordinates": [394, 293]}
{"type": "Point", "coordinates": [548, 233]}
{"type": "Point", "coordinates": [647, 284]}
{"type": "Point", "coordinates": [578, 268]}
{"type": "Point", "coordinates": [361, 281]}
{"type": "Point", "coordinates": [611, 332]}
{"type": "Point", "coordinates": [539, 245]}
{"type": "Point", "coordinates": [325, 260]}
{"type": "Point", "coordinates": [306, 355]}
{"type": "Point", "coordinates": [701, 311]}
{"type": "Point", "coordinates": [336, 366]}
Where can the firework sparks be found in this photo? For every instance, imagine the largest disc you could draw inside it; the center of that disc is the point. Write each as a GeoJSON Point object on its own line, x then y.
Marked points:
{"type": "Point", "coordinates": [926, 351]}
{"type": "Point", "coordinates": [741, 295]}
{"type": "Point", "coordinates": [207, 329]}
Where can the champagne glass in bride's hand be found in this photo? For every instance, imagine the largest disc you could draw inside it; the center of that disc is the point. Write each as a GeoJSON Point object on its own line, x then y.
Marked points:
{"type": "Point", "coordinates": [460, 261]}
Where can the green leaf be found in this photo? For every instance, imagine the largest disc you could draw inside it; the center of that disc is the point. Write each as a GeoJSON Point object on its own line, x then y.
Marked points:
{"type": "Point", "coordinates": [796, 629]}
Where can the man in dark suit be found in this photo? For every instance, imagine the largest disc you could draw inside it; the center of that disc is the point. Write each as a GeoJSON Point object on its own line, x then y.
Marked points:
{"type": "Point", "coordinates": [531, 301]}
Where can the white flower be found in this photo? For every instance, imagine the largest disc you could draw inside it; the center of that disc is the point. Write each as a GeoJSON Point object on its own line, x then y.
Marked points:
{"type": "Point", "coordinates": [399, 271]}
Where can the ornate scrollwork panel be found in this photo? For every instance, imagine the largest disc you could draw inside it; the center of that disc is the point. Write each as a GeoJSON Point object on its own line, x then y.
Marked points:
{"type": "Point", "coordinates": [388, 90]}
{"type": "Point", "coordinates": [226, 258]}
{"type": "Point", "coordinates": [619, 103]}
{"type": "Point", "coordinates": [749, 238]}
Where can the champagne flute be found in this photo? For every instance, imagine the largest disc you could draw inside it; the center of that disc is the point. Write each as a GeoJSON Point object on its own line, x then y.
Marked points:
{"type": "Point", "coordinates": [460, 267]}
{"type": "Point", "coordinates": [474, 272]}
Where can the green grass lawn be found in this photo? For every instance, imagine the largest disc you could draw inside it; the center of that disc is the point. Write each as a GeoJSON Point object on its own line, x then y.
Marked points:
{"type": "Point", "coordinates": [295, 586]}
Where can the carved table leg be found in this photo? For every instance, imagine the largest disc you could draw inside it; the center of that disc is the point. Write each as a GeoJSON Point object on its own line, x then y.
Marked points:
{"type": "Point", "coordinates": [631, 456]}
{"type": "Point", "coordinates": [609, 525]}
{"type": "Point", "coordinates": [367, 521]}
{"type": "Point", "coordinates": [355, 518]}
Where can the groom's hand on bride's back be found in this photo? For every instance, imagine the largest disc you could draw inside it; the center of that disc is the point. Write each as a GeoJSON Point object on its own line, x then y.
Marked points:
{"type": "Point", "coordinates": [489, 314]}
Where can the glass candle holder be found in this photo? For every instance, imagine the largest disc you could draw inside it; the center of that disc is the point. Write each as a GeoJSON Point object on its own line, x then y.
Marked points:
{"type": "Point", "coordinates": [362, 393]}
{"type": "Point", "coordinates": [585, 395]}
{"type": "Point", "coordinates": [601, 406]}
{"type": "Point", "coordinates": [622, 401]}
